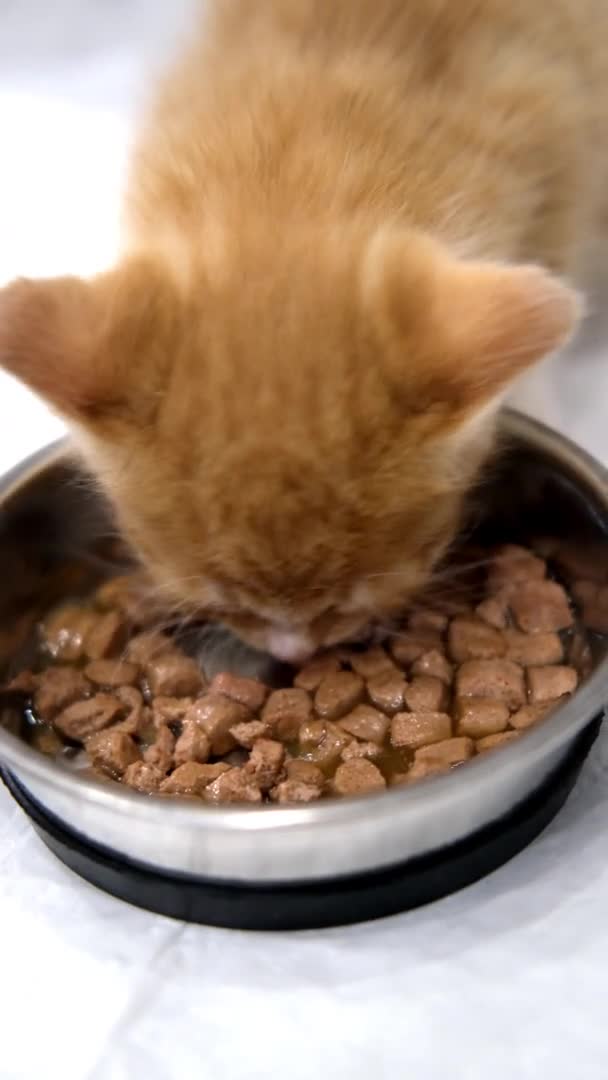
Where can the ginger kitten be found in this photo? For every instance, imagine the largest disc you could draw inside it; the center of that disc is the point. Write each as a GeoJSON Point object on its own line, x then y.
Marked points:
{"type": "Point", "coordinates": [290, 380]}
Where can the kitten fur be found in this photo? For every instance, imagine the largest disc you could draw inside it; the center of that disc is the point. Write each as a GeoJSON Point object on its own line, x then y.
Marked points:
{"type": "Point", "coordinates": [347, 231]}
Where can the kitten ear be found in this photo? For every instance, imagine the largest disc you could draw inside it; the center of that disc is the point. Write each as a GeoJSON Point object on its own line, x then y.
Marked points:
{"type": "Point", "coordinates": [74, 342]}
{"type": "Point", "coordinates": [465, 330]}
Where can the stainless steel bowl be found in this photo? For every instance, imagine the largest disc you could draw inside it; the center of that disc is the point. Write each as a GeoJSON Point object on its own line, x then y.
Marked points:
{"type": "Point", "coordinates": [542, 483]}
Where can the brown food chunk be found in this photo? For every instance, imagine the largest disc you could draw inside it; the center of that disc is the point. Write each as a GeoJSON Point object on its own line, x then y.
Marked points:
{"type": "Point", "coordinates": [57, 688]}
{"type": "Point", "coordinates": [356, 749]}
{"type": "Point", "coordinates": [445, 754]}
{"type": "Point", "coordinates": [265, 763]}
{"type": "Point", "coordinates": [295, 791]}
{"type": "Point", "coordinates": [413, 730]}
{"type": "Point", "coordinates": [112, 672]}
{"type": "Point", "coordinates": [118, 592]}
{"type": "Point", "coordinates": [192, 778]}
{"type": "Point", "coordinates": [106, 636]}
{"type": "Point", "coordinates": [434, 663]}
{"type": "Point", "coordinates": [408, 646]}
{"type": "Point", "coordinates": [305, 773]}
{"type": "Point", "coordinates": [370, 662]}
{"type": "Point", "coordinates": [286, 711]}
{"type": "Point", "coordinates": [479, 717]}
{"type": "Point", "coordinates": [514, 565]}
{"type": "Point", "coordinates": [365, 723]}
{"type": "Point", "coordinates": [533, 649]}
{"type": "Point", "coordinates": [148, 646]}
{"type": "Point", "coordinates": [470, 638]}
{"type": "Point", "coordinates": [249, 692]}
{"type": "Point", "coordinates": [427, 619]}
{"type": "Point", "coordinates": [234, 786]}
{"type": "Point", "coordinates": [174, 675]}
{"type": "Point", "coordinates": [112, 751]}
{"type": "Point", "coordinates": [426, 694]}
{"type": "Point", "coordinates": [387, 691]}
{"type": "Point", "coordinates": [329, 750]}
{"type": "Point", "coordinates": [312, 674]}
{"type": "Point", "coordinates": [528, 715]}
{"type": "Point", "coordinates": [549, 683]}
{"type": "Point", "coordinates": [494, 611]}
{"type": "Point", "coordinates": [358, 777]}
{"type": "Point", "coordinates": [541, 606]}
{"type": "Point", "coordinates": [142, 777]}
{"type": "Point", "coordinates": [85, 718]}
{"type": "Point", "coordinates": [246, 734]}
{"type": "Point", "coordinates": [64, 631]}
{"type": "Point", "coordinates": [136, 718]}
{"type": "Point", "coordinates": [216, 714]}
{"type": "Point", "coordinates": [169, 710]}
{"type": "Point", "coordinates": [192, 745]}
{"type": "Point", "coordinates": [500, 679]}
{"type": "Point", "coordinates": [338, 694]}
{"type": "Point", "coordinates": [160, 753]}
{"type": "Point", "coordinates": [489, 742]}
{"type": "Point", "coordinates": [45, 740]}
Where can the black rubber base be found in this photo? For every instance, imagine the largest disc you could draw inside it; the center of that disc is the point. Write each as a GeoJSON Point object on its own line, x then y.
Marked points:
{"type": "Point", "coordinates": [305, 905]}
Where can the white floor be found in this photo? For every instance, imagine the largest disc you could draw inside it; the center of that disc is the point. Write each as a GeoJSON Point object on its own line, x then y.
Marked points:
{"type": "Point", "coordinates": [508, 978]}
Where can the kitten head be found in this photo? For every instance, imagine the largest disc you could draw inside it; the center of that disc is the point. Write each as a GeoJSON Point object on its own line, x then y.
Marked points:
{"type": "Point", "coordinates": [289, 424]}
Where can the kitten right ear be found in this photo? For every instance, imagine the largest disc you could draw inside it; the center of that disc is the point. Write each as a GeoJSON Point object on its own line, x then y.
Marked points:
{"type": "Point", "coordinates": [75, 342]}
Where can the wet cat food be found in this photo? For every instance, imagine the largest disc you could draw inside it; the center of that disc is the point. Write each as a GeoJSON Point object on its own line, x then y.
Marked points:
{"type": "Point", "coordinates": [454, 680]}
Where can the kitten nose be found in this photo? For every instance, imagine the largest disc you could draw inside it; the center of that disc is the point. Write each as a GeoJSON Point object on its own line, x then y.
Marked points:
{"type": "Point", "coordinates": [289, 647]}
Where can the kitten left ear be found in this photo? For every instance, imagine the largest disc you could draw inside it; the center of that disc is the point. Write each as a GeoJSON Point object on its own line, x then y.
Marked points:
{"type": "Point", "coordinates": [75, 342]}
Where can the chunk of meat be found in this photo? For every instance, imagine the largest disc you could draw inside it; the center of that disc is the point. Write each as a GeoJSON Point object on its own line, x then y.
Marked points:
{"type": "Point", "coordinates": [412, 730]}
{"type": "Point", "coordinates": [64, 632]}
{"type": "Point", "coordinates": [84, 718]}
{"type": "Point", "coordinates": [513, 566]}
{"type": "Point", "coordinates": [365, 723]}
{"type": "Point", "coordinates": [148, 646]}
{"type": "Point", "coordinates": [122, 592]}
{"type": "Point", "coordinates": [445, 754]}
{"type": "Point", "coordinates": [286, 711]}
{"type": "Point", "coordinates": [216, 714]}
{"type": "Point", "coordinates": [479, 717]}
{"type": "Point", "coordinates": [409, 645]}
{"type": "Point", "coordinates": [174, 675]}
{"type": "Point", "coordinates": [170, 710]}
{"type": "Point", "coordinates": [387, 691]}
{"type": "Point", "coordinates": [142, 777]}
{"type": "Point", "coordinates": [160, 753]}
{"type": "Point", "coordinates": [112, 673]}
{"type": "Point", "coordinates": [295, 791]}
{"type": "Point", "coordinates": [434, 663]}
{"type": "Point", "coordinates": [106, 636]}
{"type": "Point", "coordinates": [58, 687]}
{"type": "Point", "coordinates": [550, 683]}
{"type": "Point", "coordinates": [490, 742]}
{"type": "Point", "coordinates": [248, 692]}
{"type": "Point", "coordinates": [500, 679]}
{"type": "Point", "coordinates": [541, 606]}
{"type": "Point", "coordinates": [137, 716]}
{"type": "Point", "coordinates": [426, 694]}
{"type": "Point", "coordinates": [312, 674]}
{"type": "Point", "coordinates": [533, 649]}
{"type": "Point", "coordinates": [265, 763]}
{"type": "Point", "coordinates": [329, 749]}
{"type": "Point", "coordinates": [358, 777]}
{"type": "Point", "coordinates": [356, 749]}
{"type": "Point", "coordinates": [46, 740]}
{"type": "Point", "coordinates": [470, 638]}
{"type": "Point", "coordinates": [192, 745]}
{"type": "Point", "coordinates": [371, 661]}
{"type": "Point", "coordinates": [193, 778]}
{"type": "Point", "coordinates": [338, 694]}
{"type": "Point", "coordinates": [494, 611]}
{"type": "Point", "coordinates": [246, 734]}
{"type": "Point", "coordinates": [305, 772]}
{"type": "Point", "coordinates": [234, 786]}
{"type": "Point", "coordinates": [529, 715]}
{"type": "Point", "coordinates": [112, 751]}
{"type": "Point", "coordinates": [427, 619]}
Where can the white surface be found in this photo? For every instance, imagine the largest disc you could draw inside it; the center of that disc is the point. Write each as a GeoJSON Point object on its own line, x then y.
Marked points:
{"type": "Point", "coordinates": [508, 978]}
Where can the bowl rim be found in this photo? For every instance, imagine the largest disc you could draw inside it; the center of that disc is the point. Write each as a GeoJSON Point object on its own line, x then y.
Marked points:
{"type": "Point", "coordinates": [535, 743]}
